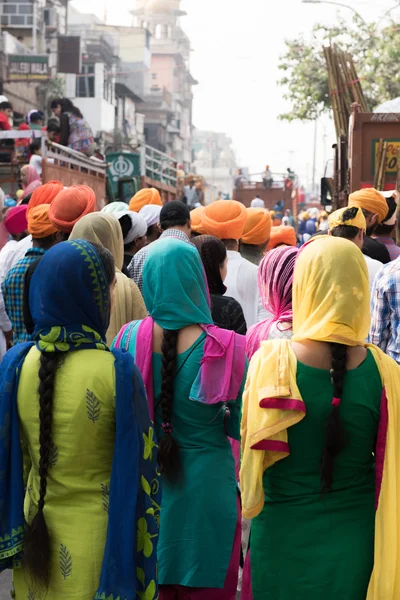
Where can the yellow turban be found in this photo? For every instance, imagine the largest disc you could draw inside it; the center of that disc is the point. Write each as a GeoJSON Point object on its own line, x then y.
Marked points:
{"type": "Point", "coordinates": [145, 197]}
{"type": "Point", "coordinates": [195, 219]}
{"type": "Point", "coordinates": [371, 200]}
{"type": "Point", "coordinates": [258, 226]}
{"type": "Point", "coordinates": [338, 218]}
{"type": "Point", "coordinates": [39, 224]}
{"type": "Point", "coordinates": [224, 219]}
{"type": "Point", "coordinates": [282, 236]}
{"type": "Point", "coordinates": [305, 216]}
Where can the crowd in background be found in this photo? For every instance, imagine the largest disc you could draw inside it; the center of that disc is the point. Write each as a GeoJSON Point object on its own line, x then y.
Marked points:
{"type": "Point", "coordinates": [189, 407]}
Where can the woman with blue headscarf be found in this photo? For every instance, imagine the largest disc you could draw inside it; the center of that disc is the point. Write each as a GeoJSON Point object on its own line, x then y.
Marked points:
{"type": "Point", "coordinates": [79, 497]}
{"type": "Point", "coordinates": [193, 374]}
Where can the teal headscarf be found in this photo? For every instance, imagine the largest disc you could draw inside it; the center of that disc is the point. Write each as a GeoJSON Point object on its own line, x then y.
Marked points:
{"type": "Point", "coordinates": [174, 285]}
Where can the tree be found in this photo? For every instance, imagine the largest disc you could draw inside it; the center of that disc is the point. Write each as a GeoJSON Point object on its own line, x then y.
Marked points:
{"type": "Point", "coordinates": [376, 55]}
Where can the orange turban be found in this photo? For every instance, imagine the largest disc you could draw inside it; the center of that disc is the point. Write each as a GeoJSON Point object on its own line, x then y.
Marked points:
{"type": "Point", "coordinates": [224, 219]}
{"type": "Point", "coordinates": [195, 219]}
{"type": "Point", "coordinates": [371, 200]}
{"type": "Point", "coordinates": [70, 205]}
{"type": "Point", "coordinates": [144, 197]}
{"type": "Point", "coordinates": [282, 235]}
{"type": "Point", "coordinates": [45, 194]}
{"type": "Point", "coordinates": [258, 226]}
{"type": "Point", "coordinates": [39, 224]}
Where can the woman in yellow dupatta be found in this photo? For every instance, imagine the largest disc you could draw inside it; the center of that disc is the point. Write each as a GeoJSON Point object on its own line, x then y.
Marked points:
{"type": "Point", "coordinates": [321, 443]}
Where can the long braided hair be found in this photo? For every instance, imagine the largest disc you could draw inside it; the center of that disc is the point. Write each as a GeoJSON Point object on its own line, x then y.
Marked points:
{"type": "Point", "coordinates": [335, 434]}
{"type": "Point", "coordinates": [37, 544]}
{"type": "Point", "coordinates": [168, 449]}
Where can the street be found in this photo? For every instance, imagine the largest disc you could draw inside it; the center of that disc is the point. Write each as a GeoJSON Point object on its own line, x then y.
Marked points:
{"type": "Point", "coordinates": [5, 585]}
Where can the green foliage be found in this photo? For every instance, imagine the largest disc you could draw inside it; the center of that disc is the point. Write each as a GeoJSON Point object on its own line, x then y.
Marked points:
{"type": "Point", "coordinates": [375, 53]}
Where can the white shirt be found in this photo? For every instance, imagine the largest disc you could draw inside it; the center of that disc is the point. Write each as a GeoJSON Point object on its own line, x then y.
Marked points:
{"type": "Point", "coordinates": [36, 162]}
{"type": "Point", "coordinates": [373, 268]}
{"type": "Point", "coordinates": [241, 283]}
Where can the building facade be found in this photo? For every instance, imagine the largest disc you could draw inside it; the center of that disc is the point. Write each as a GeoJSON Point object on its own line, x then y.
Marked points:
{"type": "Point", "coordinates": [168, 105]}
{"type": "Point", "coordinates": [215, 160]}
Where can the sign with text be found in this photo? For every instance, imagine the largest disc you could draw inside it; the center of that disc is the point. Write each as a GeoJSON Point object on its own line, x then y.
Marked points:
{"type": "Point", "coordinates": [28, 67]}
{"type": "Point", "coordinates": [391, 154]}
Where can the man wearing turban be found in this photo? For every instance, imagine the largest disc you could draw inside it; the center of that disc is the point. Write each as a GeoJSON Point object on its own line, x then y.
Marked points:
{"type": "Point", "coordinates": [385, 233]}
{"type": "Point", "coordinates": [375, 209]}
{"type": "Point", "coordinates": [195, 217]}
{"type": "Point", "coordinates": [145, 197]}
{"type": "Point", "coordinates": [256, 234]}
{"type": "Point", "coordinates": [226, 220]}
{"type": "Point", "coordinates": [70, 205]}
{"type": "Point", "coordinates": [350, 223]}
{"type": "Point", "coordinates": [44, 236]}
{"type": "Point", "coordinates": [283, 235]}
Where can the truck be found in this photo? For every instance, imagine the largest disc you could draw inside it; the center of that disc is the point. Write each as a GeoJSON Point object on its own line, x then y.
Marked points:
{"type": "Point", "coordinates": [281, 192]}
{"type": "Point", "coordinates": [61, 163]}
{"type": "Point", "coordinates": [128, 172]}
{"type": "Point", "coordinates": [356, 157]}
{"type": "Point", "coordinates": [120, 176]}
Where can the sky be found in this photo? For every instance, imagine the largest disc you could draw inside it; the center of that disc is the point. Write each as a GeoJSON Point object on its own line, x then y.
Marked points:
{"type": "Point", "coordinates": [236, 47]}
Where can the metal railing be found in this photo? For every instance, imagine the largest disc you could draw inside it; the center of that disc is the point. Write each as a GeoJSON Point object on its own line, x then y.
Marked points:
{"type": "Point", "coordinates": [158, 166]}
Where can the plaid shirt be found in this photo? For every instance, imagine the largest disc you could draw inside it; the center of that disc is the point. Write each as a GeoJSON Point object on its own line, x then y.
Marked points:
{"type": "Point", "coordinates": [385, 310]}
{"type": "Point", "coordinates": [136, 265]}
{"type": "Point", "coordinates": [13, 292]}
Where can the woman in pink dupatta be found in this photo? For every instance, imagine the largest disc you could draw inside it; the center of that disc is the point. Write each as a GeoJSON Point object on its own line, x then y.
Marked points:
{"type": "Point", "coordinates": [30, 180]}
{"type": "Point", "coordinates": [194, 375]}
{"type": "Point", "coordinates": [275, 280]}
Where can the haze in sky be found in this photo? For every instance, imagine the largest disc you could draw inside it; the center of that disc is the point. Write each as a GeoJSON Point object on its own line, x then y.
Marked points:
{"type": "Point", "coordinates": [236, 48]}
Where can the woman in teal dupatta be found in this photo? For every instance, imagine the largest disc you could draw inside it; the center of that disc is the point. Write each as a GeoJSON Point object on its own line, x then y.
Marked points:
{"type": "Point", "coordinates": [86, 468]}
{"type": "Point", "coordinates": [193, 373]}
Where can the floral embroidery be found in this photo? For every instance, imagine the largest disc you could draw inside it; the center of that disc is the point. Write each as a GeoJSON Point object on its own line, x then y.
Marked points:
{"type": "Point", "coordinates": [149, 444]}
{"type": "Point", "coordinates": [65, 562]}
{"type": "Point", "coordinates": [93, 406]}
{"type": "Point", "coordinates": [338, 292]}
{"type": "Point", "coordinates": [105, 495]}
{"type": "Point", "coordinates": [358, 293]}
{"type": "Point", "coordinates": [144, 538]}
{"type": "Point", "coordinates": [53, 458]}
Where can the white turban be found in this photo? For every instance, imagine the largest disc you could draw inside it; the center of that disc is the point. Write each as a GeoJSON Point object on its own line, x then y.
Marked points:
{"type": "Point", "coordinates": [114, 207]}
{"type": "Point", "coordinates": [138, 225]}
{"type": "Point", "coordinates": [151, 214]}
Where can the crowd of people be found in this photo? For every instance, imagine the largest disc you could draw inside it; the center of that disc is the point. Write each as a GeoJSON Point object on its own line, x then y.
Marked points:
{"type": "Point", "coordinates": [198, 403]}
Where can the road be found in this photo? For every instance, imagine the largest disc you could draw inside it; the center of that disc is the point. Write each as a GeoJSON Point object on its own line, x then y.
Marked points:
{"type": "Point", "coordinates": [5, 585]}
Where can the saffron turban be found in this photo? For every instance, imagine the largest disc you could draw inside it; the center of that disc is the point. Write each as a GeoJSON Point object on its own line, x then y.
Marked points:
{"type": "Point", "coordinates": [195, 219]}
{"type": "Point", "coordinates": [39, 224]}
{"type": "Point", "coordinates": [15, 221]}
{"type": "Point", "coordinates": [371, 200]}
{"type": "Point", "coordinates": [338, 218]}
{"type": "Point", "coordinates": [282, 236]}
{"type": "Point", "coordinates": [45, 194]}
{"type": "Point", "coordinates": [258, 226]}
{"type": "Point", "coordinates": [224, 219]}
{"type": "Point", "coordinates": [70, 205]}
{"type": "Point", "coordinates": [144, 197]}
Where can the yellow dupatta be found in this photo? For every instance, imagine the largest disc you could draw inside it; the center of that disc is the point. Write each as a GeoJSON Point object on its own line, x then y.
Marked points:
{"type": "Point", "coordinates": [330, 304]}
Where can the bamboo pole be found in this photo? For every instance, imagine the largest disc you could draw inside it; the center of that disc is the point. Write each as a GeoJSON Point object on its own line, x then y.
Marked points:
{"type": "Point", "coordinates": [378, 164]}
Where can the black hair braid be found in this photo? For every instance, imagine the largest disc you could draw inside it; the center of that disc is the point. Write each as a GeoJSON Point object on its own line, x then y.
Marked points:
{"type": "Point", "coordinates": [168, 450]}
{"type": "Point", "coordinates": [37, 540]}
{"type": "Point", "coordinates": [335, 435]}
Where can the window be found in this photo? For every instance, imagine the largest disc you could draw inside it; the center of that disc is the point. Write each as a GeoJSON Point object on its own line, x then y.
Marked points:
{"type": "Point", "coordinates": [85, 82]}
{"type": "Point", "coordinates": [108, 87]}
{"type": "Point", "coordinates": [159, 32]}
{"type": "Point", "coordinates": [154, 75]}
